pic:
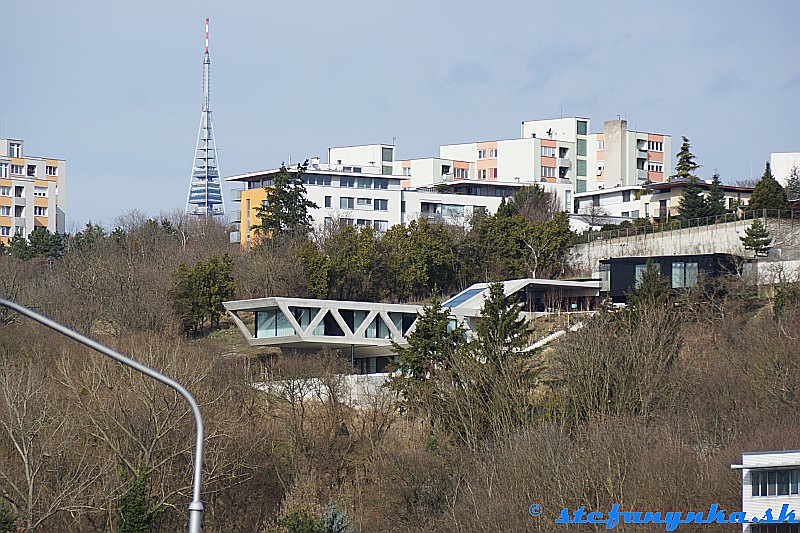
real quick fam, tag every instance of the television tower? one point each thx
(205, 190)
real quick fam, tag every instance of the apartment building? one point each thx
(783, 164)
(770, 480)
(31, 191)
(346, 196)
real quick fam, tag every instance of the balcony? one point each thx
(563, 162)
(641, 175)
(236, 195)
(641, 154)
(235, 237)
(236, 215)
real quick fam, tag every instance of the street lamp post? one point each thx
(196, 506)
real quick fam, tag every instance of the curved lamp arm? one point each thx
(196, 506)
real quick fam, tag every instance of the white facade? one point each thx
(369, 158)
(622, 202)
(769, 480)
(782, 164)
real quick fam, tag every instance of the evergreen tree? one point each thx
(692, 204)
(756, 238)
(793, 185)
(651, 288)
(136, 515)
(18, 247)
(686, 164)
(715, 201)
(501, 331)
(197, 293)
(286, 207)
(8, 519)
(334, 520)
(429, 348)
(768, 193)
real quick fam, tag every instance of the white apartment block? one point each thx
(782, 164)
(31, 191)
(770, 480)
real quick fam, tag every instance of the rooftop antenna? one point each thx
(205, 190)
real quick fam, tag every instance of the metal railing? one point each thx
(675, 225)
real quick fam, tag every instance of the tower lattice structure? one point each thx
(205, 190)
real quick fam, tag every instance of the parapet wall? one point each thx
(714, 238)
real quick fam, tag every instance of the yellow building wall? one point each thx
(252, 199)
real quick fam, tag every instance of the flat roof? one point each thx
(244, 177)
(610, 190)
(703, 184)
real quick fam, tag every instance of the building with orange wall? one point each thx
(32, 191)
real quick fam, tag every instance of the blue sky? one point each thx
(115, 87)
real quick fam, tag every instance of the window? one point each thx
(386, 169)
(452, 211)
(655, 146)
(626, 196)
(581, 167)
(492, 153)
(601, 145)
(548, 151)
(17, 169)
(481, 154)
(31, 171)
(548, 172)
(364, 202)
(625, 214)
(655, 167)
(387, 154)
(493, 173)
(684, 275)
(345, 221)
(316, 179)
(39, 211)
(346, 203)
(327, 201)
(482, 174)
(406, 171)
(640, 269)
(5, 211)
(273, 323)
(583, 127)
(3, 170)
(580, 147)
(381, 225)
(635, 214)
(380, 205)
(380, 183)
(19, 230)
(774, 482)
(601, 166)
(328, 222)
(363, 223)
(445, 170)
(51, 171)
(347, 181)
(5, 231)
(356, 170)
(580, 185)
(41, 192)
(461, 173)
(640, 163)
(364, 183)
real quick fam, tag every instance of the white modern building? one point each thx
(366, 330)
(783, 163)
(770, 480)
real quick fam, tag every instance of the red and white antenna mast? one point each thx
(206, 35)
